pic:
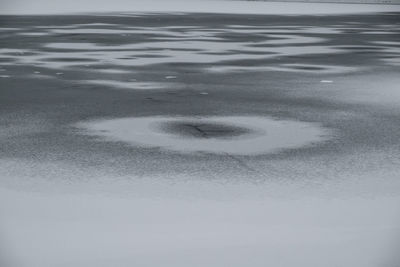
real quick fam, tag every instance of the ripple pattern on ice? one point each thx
(225, 47)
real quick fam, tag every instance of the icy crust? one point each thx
(176, 6)
(239, 135)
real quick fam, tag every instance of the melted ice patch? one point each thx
(266, 135)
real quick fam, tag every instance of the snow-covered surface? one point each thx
(209, 6)
(183, 222)
(127, 84)
(68, 199)
(190, 46)
(268, 135)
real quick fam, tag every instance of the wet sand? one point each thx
(114, 200)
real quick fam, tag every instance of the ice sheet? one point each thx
(217, 6)
(270, 135)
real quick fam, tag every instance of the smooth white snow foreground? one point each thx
(198, 224)
(208, 6)
(266, 135)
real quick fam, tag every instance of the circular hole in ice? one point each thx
(240, 135)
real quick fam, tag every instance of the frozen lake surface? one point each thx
(244, 135)
(198, 139)
(124, 7)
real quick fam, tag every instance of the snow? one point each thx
(194, 223)
(269, 135)
(133, 85)
(177, 6)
